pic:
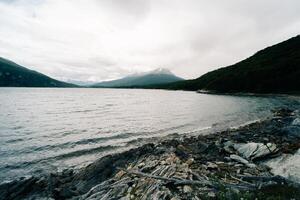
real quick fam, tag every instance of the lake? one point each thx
(48, 129)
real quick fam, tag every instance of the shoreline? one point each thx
(211, 166)
(211, 92)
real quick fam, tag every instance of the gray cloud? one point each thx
(105, 39)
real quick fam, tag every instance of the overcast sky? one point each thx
(105, 39)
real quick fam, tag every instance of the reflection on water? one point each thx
(45, 129)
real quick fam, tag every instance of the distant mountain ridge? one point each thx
(275, 69)
(157, 76)
(80, 83)
(14, 75)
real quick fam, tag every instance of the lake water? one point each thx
(45, 129)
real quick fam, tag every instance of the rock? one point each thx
(18, 188)
(228, 146)
(291, 131)
(129, 190)
(211, 194)
(253, 150)
(242, 160)
(66, 193)
(287, 166)
(67, 172)
(283, 112)
(187, 189)
(200, 147)
(181, 151)
(296, 122)
(42, 182)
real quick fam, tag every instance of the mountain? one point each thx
(158, 76)
(14, 75)
(275, 69)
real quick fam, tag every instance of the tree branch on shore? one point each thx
(180, 182)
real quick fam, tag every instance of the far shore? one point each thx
(293, 93)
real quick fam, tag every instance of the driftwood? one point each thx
(274, 179)
(179, 182)
(277, 179)
(240, 180)
(170, 180)
(102, 187)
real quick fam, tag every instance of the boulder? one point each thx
(292, 131)
(296, 122)
(228, 146)
(287, 165)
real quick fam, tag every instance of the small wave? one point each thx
(17, 127)
(83, 111)
(162, 136)
(198, 130)
(66, 133)
(109, 105)
(244, 124)
(69, 155)
(116, 136)
(86, 151)
(15, 140)
(72, 144)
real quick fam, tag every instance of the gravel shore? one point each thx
(259, 160)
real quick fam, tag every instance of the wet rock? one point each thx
(67, 172)
(228, 146)
(199, 147)
(283, 112)
(17, 189)
(253, 150)
(66, 193)
(42, 182)
(181, 151)
(291, 132)
(296, 122)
